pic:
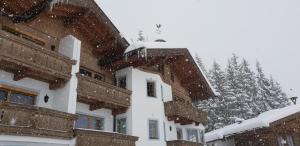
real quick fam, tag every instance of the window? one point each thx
(99, 77)
(153, 129)
(122, 125)
(89, 122)
(285, 141)
(84, 72)
(179, 134)
(3, 95)
(192, 135)
(122, 82)
(201, 132)
(172, 77)
(15, 95)
(151, 89)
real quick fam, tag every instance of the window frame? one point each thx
(187, 135)
(126, 124)
(154, 88)
(158, 131)
(181, 133)
(90, 117)
(119, 81)
(15, 90)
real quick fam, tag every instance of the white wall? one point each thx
(101, 113)
(33, 141)
(67, 95)
(29, 84)
(145, 108)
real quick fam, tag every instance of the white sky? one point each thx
(263, 30)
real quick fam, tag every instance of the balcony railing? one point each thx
(181, 96)
(101, 94)
(34, 121)
(27, 59)
(96, 138)
(182, 143)
(184, 113)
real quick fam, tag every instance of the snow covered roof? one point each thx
(153, 45)
(166, 45)
(263, 120)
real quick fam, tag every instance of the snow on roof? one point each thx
(262, 120)
(153, 45)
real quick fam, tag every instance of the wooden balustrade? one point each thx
(100, 94)
(184, 113)
(26, 59)
(181, 96)
(24, 120)
(182, 143)
(96, 138)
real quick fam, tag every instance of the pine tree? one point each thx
(200, 63)
(243, 94)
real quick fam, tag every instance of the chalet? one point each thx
(279, 127)
(68, 78)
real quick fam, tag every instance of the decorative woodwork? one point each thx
(180, 61)
(96, 138)
(184, 113)
(99, 94)
(34, 121)
(182, 143)
(86, 17)
(26, 59)
(181, 96)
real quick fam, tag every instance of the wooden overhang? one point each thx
(85, 16)
(180, 61)
(287, 125)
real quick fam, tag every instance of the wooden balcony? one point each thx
(181, 96)
(26, 59)
(21, 120)
(96, 138)
(184, 113)
(182, 143)
(99, 94)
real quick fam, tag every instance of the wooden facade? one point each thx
(96, 138)
(28, 120)
(269, 136)
(182, 143)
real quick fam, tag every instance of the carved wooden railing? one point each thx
(180, 95)
(184, 113)
(99, 91)
(24, 58)
(34, 121)
(182, 143)
(96, 138)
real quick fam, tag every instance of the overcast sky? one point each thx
(263, 30)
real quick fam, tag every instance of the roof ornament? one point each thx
(158, 32)
(293, 98)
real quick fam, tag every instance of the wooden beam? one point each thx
(56, 84)
(20, 74)
(96, 106)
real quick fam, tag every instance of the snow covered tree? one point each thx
(243, 94)
(200, 63)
